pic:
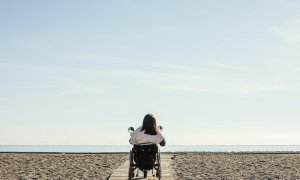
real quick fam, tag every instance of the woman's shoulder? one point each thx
(139, 128)
(159, 134)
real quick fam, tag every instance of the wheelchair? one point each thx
(144, 157)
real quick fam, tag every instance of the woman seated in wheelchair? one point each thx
(145, 150)
(148, 133)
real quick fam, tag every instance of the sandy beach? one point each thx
(236, 166)
(185, 166)
(58, 166)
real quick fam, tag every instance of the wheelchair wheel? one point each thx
(158, 172)
(145, 174)
(130, 170)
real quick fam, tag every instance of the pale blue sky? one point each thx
(213, 72)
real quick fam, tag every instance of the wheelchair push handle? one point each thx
(131, 129)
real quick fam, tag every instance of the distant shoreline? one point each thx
(167, 149)
(182, 152)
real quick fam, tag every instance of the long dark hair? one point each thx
(149, 125)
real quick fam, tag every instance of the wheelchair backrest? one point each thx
(145, 156)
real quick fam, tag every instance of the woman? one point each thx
(147, 133)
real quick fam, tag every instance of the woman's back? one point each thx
(139, 137)
(148, 132)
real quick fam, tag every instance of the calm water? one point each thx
(170, 148)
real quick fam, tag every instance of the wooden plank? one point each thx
(122, 172)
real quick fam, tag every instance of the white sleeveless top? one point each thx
(139, 137)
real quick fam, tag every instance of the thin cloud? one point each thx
(76, 80)
(289, 32)
(86, 89)
(244, 89)
(161, 71)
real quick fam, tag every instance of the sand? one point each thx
(185, 166)
(236, 166)
(58, 166)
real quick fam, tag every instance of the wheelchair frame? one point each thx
(134, 166)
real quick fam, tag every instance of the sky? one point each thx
(212, 72)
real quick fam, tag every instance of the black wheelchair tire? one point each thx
(158, 172)
(130, 170)
(145, 174)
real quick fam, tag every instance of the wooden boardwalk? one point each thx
(122, 172)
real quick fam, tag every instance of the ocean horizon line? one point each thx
(166, 145)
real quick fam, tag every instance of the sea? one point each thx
(168, 148)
